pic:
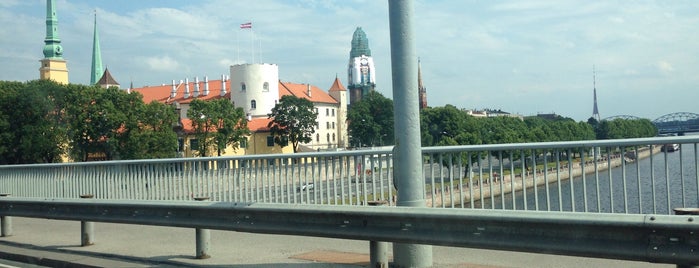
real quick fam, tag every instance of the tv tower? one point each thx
(595, 111)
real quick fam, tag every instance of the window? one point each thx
(285, 141)
(327, 125)
(242, 86)
(316, 110)
(194, 144)
(333, 137)
(327, 136)
(333, 111)
(265, 86)
(317, 125)
(317, 137)
(333, 125)
(244, 143)
(253, 104)
(327, 112)
(270, 141)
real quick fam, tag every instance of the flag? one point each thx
(247, 25)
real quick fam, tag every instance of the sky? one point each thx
(526, 57)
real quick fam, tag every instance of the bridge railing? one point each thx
(644, 178)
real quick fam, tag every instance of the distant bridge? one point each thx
(674, 123)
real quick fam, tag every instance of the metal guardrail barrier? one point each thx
(650, 238)
(644, 177)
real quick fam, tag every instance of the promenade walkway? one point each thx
(57, 244)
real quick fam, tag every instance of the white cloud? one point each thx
(665, 67)
(162, 63)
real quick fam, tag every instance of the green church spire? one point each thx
(52, 47)
(360, 44)
(96, 57)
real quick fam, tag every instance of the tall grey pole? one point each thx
(408, 176)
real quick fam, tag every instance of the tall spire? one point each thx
(361, 75)
(53, 66)
(595, 111)
(422, 91)
(97, 71)
(52, 44)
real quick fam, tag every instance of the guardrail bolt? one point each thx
(87, 228)
(203, 238)
(5, 222)
(378, 251)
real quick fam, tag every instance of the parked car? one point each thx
(307, 186)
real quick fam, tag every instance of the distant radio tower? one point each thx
(595, 111)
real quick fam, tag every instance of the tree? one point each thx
(217, 124)
(30, 127)
(293, 120)
(371, 120)
(154, 136)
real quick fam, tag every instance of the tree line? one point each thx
(371, 120)
(42, 121)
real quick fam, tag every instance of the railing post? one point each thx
(87, 228)
(203, 238)
(378, 251)
(5, 221)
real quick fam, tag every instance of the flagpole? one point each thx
(237, 47)
(252, 43)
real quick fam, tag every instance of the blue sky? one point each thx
(524, 57)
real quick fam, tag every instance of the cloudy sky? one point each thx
(524, 57)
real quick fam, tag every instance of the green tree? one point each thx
(217, 124)
(101, 122)
(154, 136)
(293, 120)
(371, 120)
(30, 127)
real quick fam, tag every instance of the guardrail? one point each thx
(649, 238)
(533, 176)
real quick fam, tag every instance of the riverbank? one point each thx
(447, 196)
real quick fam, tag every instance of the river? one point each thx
(645, 191)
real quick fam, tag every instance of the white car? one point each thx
(307, 186)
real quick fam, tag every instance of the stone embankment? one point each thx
(456, 195)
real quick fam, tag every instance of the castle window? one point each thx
(317, 137)
(327, 125)
(253, 104)
(242, 86)
(265, 86)
(333, 137)
(327, 112)
(333, 111)
(328, 137)
(333, 125)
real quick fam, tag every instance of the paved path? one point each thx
(57, 243)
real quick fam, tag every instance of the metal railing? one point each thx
(650, 238)
(618, 176)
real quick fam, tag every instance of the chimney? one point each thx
(186, 88)
(173, 92)
(223, 84)
(206, 86)
(196, 86)
(308, 90)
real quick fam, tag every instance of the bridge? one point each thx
(675, 123)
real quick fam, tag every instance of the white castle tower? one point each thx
(255, 88)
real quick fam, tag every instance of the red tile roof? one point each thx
(301, 91)
(259, 124)
(337, 86)
(162, 93)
